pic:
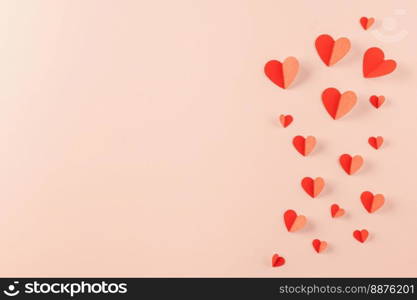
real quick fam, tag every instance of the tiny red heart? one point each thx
(377, 101)
(376, 142)
(277, 260)
(361, 235)
(285, 120)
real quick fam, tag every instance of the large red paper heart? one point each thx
(312, 187)
(285, 120)
(351, 164)
(293, 222)
(361, 235)
(376, 142)
(336, 104)
(374, 64)
(331, 51)
(377, 101)
(372, 202)
(282, 74)
(319, 246)
(304, 145)
(277, 260)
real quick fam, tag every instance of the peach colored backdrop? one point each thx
(139, 138)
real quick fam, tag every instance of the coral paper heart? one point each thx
(331, 51)
(351, 164)
(336, 211)
(312, 187)
(376, 142)
(336, 104)
(293, 222)
(282, 74)
(285, 120)
(366, 22)
(277, 260)
(374, 64)
(361, 235)
(372, 202)
(377, 101)
(319, 246)
(304, 145)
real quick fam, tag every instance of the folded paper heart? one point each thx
(377, 101)
(337, 104)
(285, 120)
(336, 211)
(319, 246)
(351, 164)
(366, 23)
(294, 222)
(374, 64)
(277, 260)
(361, 235)
(331, 51)
(304, 145)
(372, 202)
(282, 74)
(376, 142)
(312, 187)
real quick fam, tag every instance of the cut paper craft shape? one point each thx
(303, 145)
(377, 101)
(277, 261)
(372, 202)
(336, 211)
(361, 235)
(351, 164)
(374, 64)
(366, 23)
(285, 120)
(294, 222)
(336, 104)
(331, 51)
(312, 187)
(319, 246)
(376, 142)
(282, 74)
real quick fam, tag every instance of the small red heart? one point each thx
(331, 51)
(336, 211)
(376, 142)
(285, 120)
(377, 101)
(277, 260)
(337, 104)
(282, 74)
(351, 164)
(312, 187)
(372, 202)
(294, 222)
(366, 23)
(361, 235)
(303, 145)
(319, 246)
(374, 64)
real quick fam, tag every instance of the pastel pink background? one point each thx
(140, 138)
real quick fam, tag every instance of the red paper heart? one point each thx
(351, 164)
(377, 101)
(331, 51)
(376, 142)
(374, 64)
(366, 23)
(282, 74)
(372, 202)
(361, 235)
(277, 260)
(312, 187)
(336, 104)
(319, 246)
(304, 145)
(285, 120)
(336, 211)
(293, 222)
